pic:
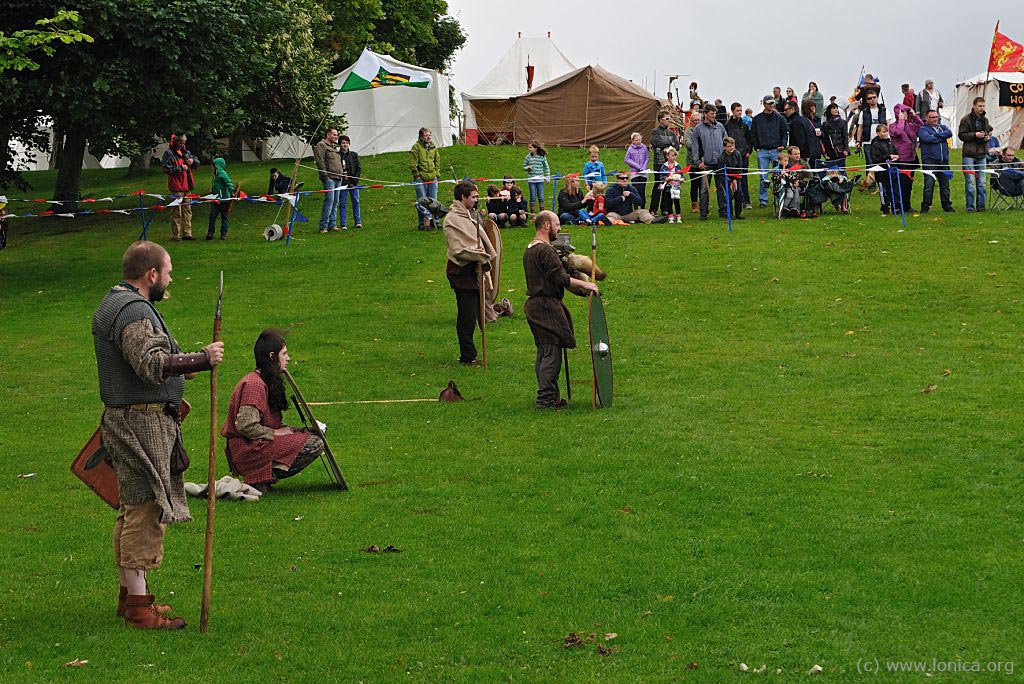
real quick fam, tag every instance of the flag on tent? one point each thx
(373, 71)
(1007, 55)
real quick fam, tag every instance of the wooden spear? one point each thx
(211, 486)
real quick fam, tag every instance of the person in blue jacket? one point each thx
(934, 138)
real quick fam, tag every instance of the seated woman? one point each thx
(570, 201)
(261, 448)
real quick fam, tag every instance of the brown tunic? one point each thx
(546, 280)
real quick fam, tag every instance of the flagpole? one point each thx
(988, 67)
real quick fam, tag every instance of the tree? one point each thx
(203, 67)
(16, 48)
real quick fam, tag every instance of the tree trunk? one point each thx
(56, 143)
(69, 173)
(140, 163)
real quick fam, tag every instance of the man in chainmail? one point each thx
(141, 377)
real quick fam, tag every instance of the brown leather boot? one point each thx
(141, 613)
(694, 207)
(122, 600)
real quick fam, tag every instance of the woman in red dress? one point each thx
(261, 448)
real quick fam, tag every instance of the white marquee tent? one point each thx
(383, 119)
(1007, 122)
(489, 107)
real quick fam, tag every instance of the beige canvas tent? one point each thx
(588, 106)
(1007, 122)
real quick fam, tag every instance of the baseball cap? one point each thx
(767, 98)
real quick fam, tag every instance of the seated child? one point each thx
(790, 183)
(516, 207)
(837, 188)
(497, 207)
(593, 202)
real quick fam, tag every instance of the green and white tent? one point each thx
(385, 103)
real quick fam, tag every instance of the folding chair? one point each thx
(1000, 199)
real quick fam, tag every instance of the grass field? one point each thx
(774, 485)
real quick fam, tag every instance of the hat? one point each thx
(767, 98)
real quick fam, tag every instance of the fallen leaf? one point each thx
(775, 280)
(666, 599)
(692, 666)
(946, 373)
(849, 332)
(929, 389)
(848, 355)
(991, 242)
(627, 509)
(817, 669)
(572, 640)
(430, 281)
(76, 663)
(391, 549)
(669, 637)
(25, 476)
(828, 244)
(298, 518)
(604, 651)
(743, 667)
(294, 568)
(372, 548)
(761, 669)
(610, 635)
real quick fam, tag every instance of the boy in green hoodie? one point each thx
(224, 189)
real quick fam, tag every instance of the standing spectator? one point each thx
(425, 164)
(815, 96)
(177, 163)
(780, 101)
(871, 115)
(224, 189)
(638, 160)
(662, 138)
(791, 97)
(770, 134)
(3, 225)
(748, 116)
(975, 132)
(842, 104)
(593, 170)
(738, 130)
(328, 165)
(351, 170)
(709, 139)
(833, 135)
(928, 100)
(670, 178)
(903, 134)
(934, 137)
(735, 163)
(805, 133)
(883, 153)
(692, 119)
(721, 113)
(537, 171)
(468, 248)
(908, 95)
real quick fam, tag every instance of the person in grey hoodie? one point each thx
(709, 141)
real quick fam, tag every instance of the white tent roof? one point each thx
(385, 119)
(508, 77)
(1004, 76)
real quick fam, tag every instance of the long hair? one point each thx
(268, 345)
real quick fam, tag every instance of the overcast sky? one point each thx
(739, 50)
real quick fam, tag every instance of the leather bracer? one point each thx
(180, 364)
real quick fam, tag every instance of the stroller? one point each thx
(787, 192)
(835, 187)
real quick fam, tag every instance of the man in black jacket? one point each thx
(737, 129)
(769, 134)
(351, 170)
(622, 203)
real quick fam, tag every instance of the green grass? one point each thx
(771, 487)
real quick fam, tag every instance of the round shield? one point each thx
(600, 352)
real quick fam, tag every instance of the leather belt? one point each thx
(149, 408)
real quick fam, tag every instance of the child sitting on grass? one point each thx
(517, 207)
(594, 201)
(497, 207)
(593, 170)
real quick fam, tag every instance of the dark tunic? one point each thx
(255, 458)
(546, 280)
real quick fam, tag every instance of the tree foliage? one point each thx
(16, 48)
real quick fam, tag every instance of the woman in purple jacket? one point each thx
(638, 159)
(903, 134)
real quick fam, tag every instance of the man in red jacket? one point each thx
(177, 163)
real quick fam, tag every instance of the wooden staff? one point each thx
(593, 279)
(211, 487)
